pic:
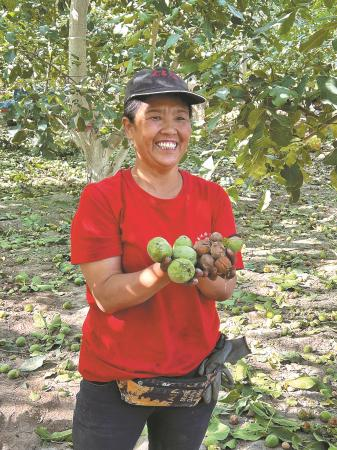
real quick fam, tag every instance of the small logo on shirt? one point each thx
(203, 236)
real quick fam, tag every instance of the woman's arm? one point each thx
(114, 290)
(219, 289)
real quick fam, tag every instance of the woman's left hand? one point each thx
(232, 257)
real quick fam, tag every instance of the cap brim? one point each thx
(193, 99)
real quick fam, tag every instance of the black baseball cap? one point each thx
(159, 81)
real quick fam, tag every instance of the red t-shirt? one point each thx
(173, 331)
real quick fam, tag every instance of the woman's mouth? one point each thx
(167, 145)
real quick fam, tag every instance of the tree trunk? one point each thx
(97, 156)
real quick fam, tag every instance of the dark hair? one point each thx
(131, 106)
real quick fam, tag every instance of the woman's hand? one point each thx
(165, 263)
(232, 271)
(194, 281)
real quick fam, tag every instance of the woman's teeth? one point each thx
(167, 145)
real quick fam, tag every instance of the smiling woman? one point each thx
(160, 134)
(144, 333)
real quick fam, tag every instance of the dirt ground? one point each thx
(285, 302)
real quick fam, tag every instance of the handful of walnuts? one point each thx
(212, 257)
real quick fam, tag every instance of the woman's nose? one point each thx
(168, 126)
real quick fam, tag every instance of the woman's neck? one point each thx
(161, 185)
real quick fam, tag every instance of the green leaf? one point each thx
(33, 363)
(315, 40)
(233, 395)
(10, 4)
(265, 200)
(281, 94)
(55, 323)
(212, 123)
(10, 37)
(279, 134)
(328, 89)
(240, 370)
(57, 436)
(267, 26)
(34, 396)
(334, 44)
(254, 117)
(36, 279)
(329, 3)
(61, 436)
(19, 137)
(161, 6)
(81, 126)
(262, 409)
(230, 444)
(293, 176)
(39, 320)
(304, 382)
(42, 126)
(242, 4)
(217, 430)
(294, 197)
(333, 178)
(249, 432)
(10, 55)
(287, 23)
(302, 84)
(42, 432)
(331, 158)
(315, 446)
(234, 11)
(42, 287)
(171, 41)
(238, 92)
(283, 433)
(222, 93)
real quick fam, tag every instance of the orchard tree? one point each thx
(268, 70)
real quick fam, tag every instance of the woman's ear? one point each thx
(127, 127)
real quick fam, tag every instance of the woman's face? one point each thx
(160, 132)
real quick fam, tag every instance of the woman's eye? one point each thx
(155, 117)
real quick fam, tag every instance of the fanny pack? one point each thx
(164, 391)
(181, 391)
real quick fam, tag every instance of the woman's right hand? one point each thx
(165, 263)
(194, 281)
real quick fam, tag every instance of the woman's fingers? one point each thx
(165, 263)
(231, 256)
(199, 273)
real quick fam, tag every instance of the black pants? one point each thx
(102, 421)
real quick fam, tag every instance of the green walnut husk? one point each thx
(158, 248)
(4, 368)
(182, 251)
(13, 374)
(271, 441)
(181, 270)
(183, 240)
(234, 243)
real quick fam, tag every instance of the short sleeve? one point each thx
(223, 220)
(95, 233)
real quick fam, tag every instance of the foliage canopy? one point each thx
(268, 70)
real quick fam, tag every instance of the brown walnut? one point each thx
(223, 265)
(206, 262)
(216, 237)
(217, 250)
(202, 247)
